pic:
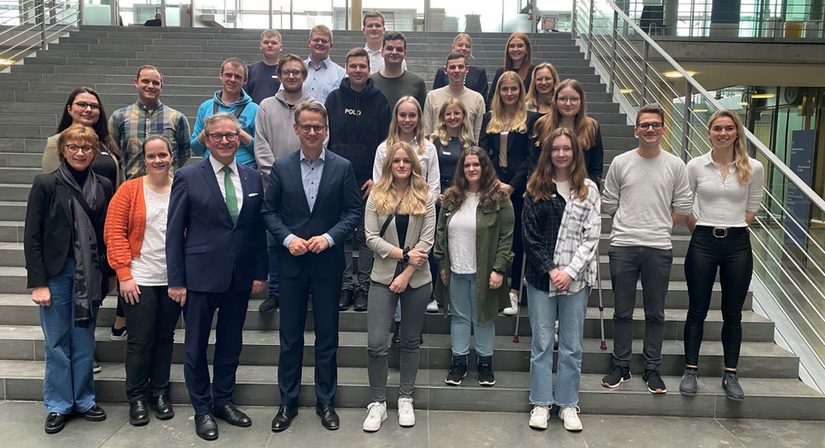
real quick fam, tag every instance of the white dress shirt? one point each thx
(217, 167)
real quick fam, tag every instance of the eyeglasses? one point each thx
(217, 137)
(288, 73)
(318, 128)
(75, 148)
(569, 99)
(83, 105)
(655, 125)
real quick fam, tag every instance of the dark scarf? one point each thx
(88, 273)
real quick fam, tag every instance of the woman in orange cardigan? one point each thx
(135, 235)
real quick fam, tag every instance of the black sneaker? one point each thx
(732, 388)
(360, 301)
(654, 382)
(270, 304)
(118, 334)
(689, 384)
(345, 301)
(485, 371)
(55, 422)
(616, 377)
(458, 370)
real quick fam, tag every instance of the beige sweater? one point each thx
(472, 100)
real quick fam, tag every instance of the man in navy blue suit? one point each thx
(216, 256)
(312, 204)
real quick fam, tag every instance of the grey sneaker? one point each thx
(689, 384)
(654, 382)
(732, 388)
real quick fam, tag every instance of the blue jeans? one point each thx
(543, 311)
(464, 319)
(69, 349)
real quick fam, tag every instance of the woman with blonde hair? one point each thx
(473, 249)
(728, 187)
(540, 94)
(451, 136)
(476, 77)
(562, 223)
(517, 58)
(570, 111)
(505, 134)
(399, 222)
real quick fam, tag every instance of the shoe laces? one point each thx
(405, 405)
(374, 409)
(540, 411)
(731, 378)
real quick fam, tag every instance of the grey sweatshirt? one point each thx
(274, 135)
(642, 193)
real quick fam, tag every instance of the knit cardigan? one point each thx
(125, 225)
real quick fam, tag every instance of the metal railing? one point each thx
(789, 254)
(34, 25)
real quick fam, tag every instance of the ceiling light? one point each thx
(699, 111)
(677, 74)
(626, 91)
(760, 96)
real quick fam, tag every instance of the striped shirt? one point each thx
(130, 125)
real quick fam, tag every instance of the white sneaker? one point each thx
(406, 413)
(539, 416)
(376, 414)
(570, 416)
(512, 310)
(432, 307)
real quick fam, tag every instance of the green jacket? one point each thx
(494, 252)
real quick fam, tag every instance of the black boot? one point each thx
(458, 370)
(485, 371)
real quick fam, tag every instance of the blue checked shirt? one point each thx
(311, 172)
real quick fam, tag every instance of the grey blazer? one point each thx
(420, 234)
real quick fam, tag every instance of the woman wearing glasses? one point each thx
(68, 273)
(135, 236)
(570, 111)
(727, 187)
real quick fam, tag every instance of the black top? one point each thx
(262, 81)
(476, 79)
(105, 165)
(519, 146)
(448, 159)
(527, 81)
(540, 229)
(153, 22)
(402, 222)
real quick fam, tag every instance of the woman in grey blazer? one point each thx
(400, 209)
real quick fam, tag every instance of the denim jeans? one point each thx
(464, 310)
(733, 258)
(570, 311)
(69, 349)
(379, 321)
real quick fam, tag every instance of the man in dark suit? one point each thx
(216, 255)
(312, 204)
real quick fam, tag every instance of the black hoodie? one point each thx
(358, 123)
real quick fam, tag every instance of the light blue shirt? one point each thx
(323, 79)
(311, 172)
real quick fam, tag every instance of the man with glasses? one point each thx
(324, 75)
(393, 79)
(646, 192)
(215, 258)
(263, 77)
(359, 120)
(275, 137)
(312, 204)
(129, 126)
(231, 99)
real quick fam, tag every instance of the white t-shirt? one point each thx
(563, 188)
(462, 236)
(149, 269)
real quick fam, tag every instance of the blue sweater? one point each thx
(246, 153)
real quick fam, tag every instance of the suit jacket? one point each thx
(337, 211)
(205, 251)
(48, 232)
(518, 151)
(420, 234)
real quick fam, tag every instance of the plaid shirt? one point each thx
(569, 229)
(130, 125)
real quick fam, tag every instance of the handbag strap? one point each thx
(387, 222)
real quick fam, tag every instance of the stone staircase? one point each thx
(106, 59)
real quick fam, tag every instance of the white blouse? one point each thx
(149, 269)
(429, 164)
(722, 202)
(461, 239)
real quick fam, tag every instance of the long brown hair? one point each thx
(525, 64)
(741, 160)
(415, 199)
(497, 121)
(489, 191)
(584, 126)
(540, 185)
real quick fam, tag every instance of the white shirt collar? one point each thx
(218, 166)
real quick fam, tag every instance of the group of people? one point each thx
(449, 198)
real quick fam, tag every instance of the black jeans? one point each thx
(149, 341)
(733, 258)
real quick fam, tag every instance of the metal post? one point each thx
(613, 53)
(686, 123)
(589, 54)
(573, 21)
(270, 14)
(645, 52)
(79, 13)
(40, 14)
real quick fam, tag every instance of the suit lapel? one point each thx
(297, 176)
(63, 198)
(325, 180)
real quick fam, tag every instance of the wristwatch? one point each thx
(406, 255)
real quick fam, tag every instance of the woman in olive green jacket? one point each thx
(473, 248)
